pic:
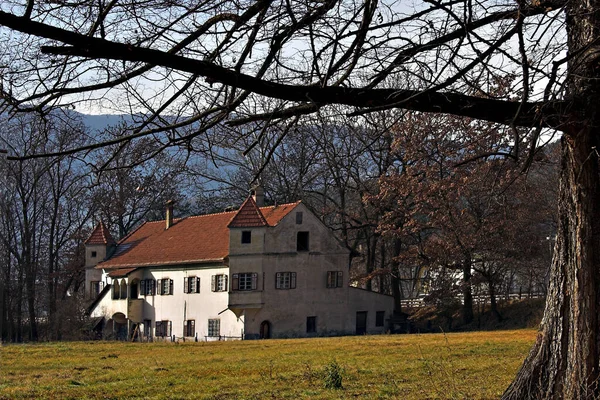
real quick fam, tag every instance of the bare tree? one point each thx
(213, 60)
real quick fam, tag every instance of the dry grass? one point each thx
(476, 365)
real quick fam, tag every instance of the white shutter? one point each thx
(213, 283)
(159, 286)
(254, 280)
(185, 285)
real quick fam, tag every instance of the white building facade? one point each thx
(259, 272)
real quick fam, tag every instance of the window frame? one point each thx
(99, 285)
(281, 283)
(218, 283)
(249, 280)
(189, 328)
(165, 286)
(335, 279)
(191, 284)
(214, 326)
(163, 328)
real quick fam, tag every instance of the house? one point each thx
(258, 272)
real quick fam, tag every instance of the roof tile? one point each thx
(100, 235)
(248, 215)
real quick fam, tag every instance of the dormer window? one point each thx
(246, 237)
(302, 241)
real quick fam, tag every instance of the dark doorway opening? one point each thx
(361, 322)
(265, 330)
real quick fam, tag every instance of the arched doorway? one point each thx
(265, 330)
(119, 326)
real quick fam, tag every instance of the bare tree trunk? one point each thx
(563, 364)
(467, 292)
(396, 276)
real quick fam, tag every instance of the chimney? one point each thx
(258, 194)
(169, 215)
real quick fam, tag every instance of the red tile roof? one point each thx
(248, 215)
(100, 235)
(199, 239)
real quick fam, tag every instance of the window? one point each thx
(95, 288)
(244, 281)
(147, 328)
(123, 290)
(285, 280)
(214, 327)
(299, 218)
(302, 241)
(218, 283)
(165, 286)
(379, 318)
(246, 237)
(116, 291)
(191, 284)
(133, 289)
(311, 324)
(94, 254)
(189, 328)
(334, 279)
(148, 287)
(163, 328)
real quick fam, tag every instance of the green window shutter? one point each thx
(197, 285)
(170, 286)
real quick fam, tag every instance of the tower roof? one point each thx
(249, 215)
(100, 235)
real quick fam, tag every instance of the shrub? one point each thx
(332, 376)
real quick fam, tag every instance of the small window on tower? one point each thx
(93, 254)
(246, 237)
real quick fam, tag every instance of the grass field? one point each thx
(475, 365)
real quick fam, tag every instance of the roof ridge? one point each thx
(193, 216)
(282, 205)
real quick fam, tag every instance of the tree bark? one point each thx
(563, 363)
(467, 292)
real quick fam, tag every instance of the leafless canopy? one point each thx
(185, 66)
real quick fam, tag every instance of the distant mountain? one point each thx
(101, 122)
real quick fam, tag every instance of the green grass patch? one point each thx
(475, 365)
